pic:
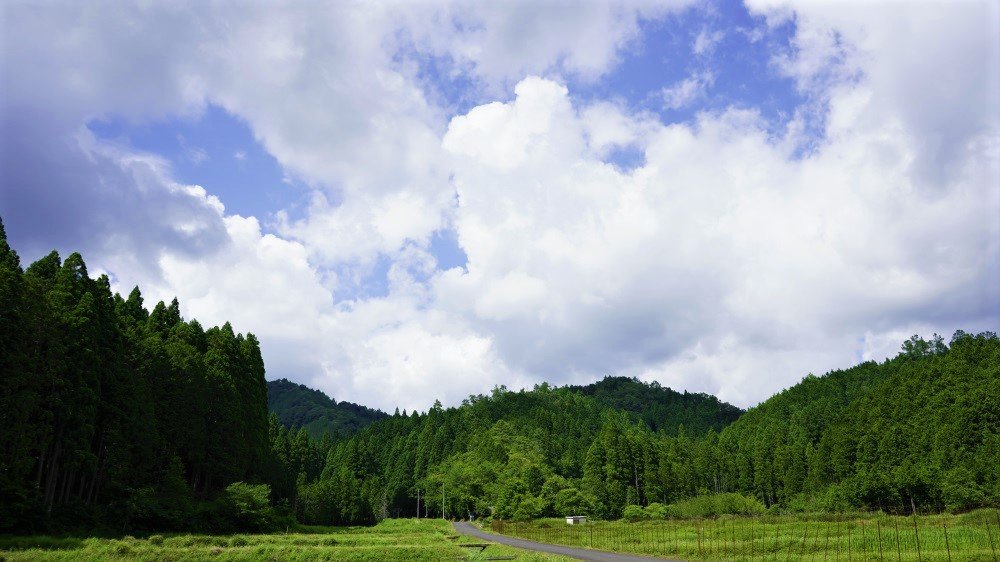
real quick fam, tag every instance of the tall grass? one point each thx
(394, 539)
(970, 537)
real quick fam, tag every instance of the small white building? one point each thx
(576, 519)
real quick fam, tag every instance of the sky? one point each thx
(410, 201)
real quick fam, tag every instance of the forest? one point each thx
(117, 416)
(297, 405)
(916, 433)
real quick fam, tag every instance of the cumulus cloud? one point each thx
(706, 41)
(685, 92)
(757, 263)
(725, 262)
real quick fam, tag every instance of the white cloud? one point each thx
(726, 262)
(758, 262)
(706, 41)
(687, 91)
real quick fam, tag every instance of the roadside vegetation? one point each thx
(849, 536)
(392, 539)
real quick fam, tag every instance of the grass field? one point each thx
(395, 539)
(972, 536)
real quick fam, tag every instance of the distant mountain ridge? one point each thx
(662, 408)
(297, 405)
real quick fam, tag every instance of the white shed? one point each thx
(576, 519)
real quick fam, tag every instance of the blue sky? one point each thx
(423, 200)
(218, 151)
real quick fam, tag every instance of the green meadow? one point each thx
(393, 539)
(828, 537)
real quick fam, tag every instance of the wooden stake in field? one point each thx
(990, 533)
(776, 547)
(878, 528)
(733, 527)
(864, 545)
(826, 545)
(899, 551)
(947, 545)
(916, 534)
(838, 540)
(850, 531)
(698, 531)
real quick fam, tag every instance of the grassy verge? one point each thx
(969, 537)
(395, 539)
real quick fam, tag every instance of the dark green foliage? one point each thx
(117, 416)
(513, 455)
(112, 415)
(920, 431)
(298, 406)
(662, 408)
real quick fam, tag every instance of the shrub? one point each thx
(716, 504)
(656, 511)
(571, 501)
(155, 539)
(633, 513)
(528, 508)
(960, 490)
(248, 506)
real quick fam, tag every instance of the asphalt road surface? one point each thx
(581, 553)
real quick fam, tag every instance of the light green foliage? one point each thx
(851, 536)
(714, 505)
(249, 505)
(430, 540)
(656, 510)
(633, 513)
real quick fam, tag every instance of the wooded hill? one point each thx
(298, 406)
(920, 432)
(117, 416)
(112, 414)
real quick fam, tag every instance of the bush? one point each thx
(633, 513)
(960, 490)
(528, 508)
(248, 507)
(716, 504)
(155, 539)
(656, 511)
(571, 501)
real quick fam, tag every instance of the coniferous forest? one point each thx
(118, 415)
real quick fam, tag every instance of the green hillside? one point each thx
(299, 406)
(515, 454)
(918, 432)
(662, 408)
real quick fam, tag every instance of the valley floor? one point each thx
(395, 539)
(972, 536)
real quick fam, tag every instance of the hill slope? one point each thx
(519, 454)
(920, 431)
(298, 406)
(660, 407)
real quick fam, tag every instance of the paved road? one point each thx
(580, 553)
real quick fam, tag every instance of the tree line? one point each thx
(115, 415)
(916, 433)
(118, 416)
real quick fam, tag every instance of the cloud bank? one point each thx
(728, 259)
